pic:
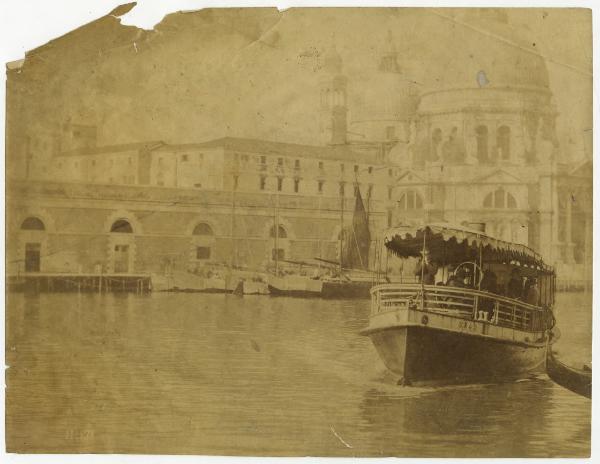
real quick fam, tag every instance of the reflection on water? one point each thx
(220, 374)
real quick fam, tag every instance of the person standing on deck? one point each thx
(533, 294)
(427, 269)
(514, 288)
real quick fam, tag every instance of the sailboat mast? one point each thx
(341, 231)
(277, 235)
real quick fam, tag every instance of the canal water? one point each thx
(255, 375)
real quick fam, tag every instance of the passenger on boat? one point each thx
(458, 278)
(533, 294)
(489, 283)
(514, 288)
(427, 269)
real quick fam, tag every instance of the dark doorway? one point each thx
(32, 257)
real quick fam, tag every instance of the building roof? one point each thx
(113, 148)
(237, 144)
(268, 147)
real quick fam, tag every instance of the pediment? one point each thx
(499, 176)
(410, 177)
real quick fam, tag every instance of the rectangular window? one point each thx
(356, 168)
(342, 189)
(390, 132)
(280, 161)
(277, 254)
(296, 185)
(93, 162)
(356, 191)
(235, 182)
(342, 167)
(279, 184)
(390, 172)
(129, 161)
(202, 252)
(263, 160)
(184, 158)
(390, 189)
(263, 182)
(389, 218)
(297, 164)
(370, 169)
(321, 186)
(321, 165)
(370, 191)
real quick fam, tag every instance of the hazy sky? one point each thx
(207, 74)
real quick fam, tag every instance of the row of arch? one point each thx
(123, 226)
(498, 199)
(452, 150)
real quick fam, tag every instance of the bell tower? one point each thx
(333, 125)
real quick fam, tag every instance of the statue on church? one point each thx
(453, 150)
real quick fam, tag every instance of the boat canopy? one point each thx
(448, 243)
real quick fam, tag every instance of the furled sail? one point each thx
(357, 238)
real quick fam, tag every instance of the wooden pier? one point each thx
(67, 282)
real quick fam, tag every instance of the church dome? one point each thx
(388, 95)
(483, 50)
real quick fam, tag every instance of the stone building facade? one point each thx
(91, 228)
(482, 148)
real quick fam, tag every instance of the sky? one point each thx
(205, 74)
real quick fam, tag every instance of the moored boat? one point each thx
(348, 287)
(577, 380)
(467, 328)
(251, 287)
(294, 285)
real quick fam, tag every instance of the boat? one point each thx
(577, 380)
(348, 286)
(353, 279)
(192, 283)
(460, 331)
(251, 287)
(294, 285)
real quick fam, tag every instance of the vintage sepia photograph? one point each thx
(331, 232)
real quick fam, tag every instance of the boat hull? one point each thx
(431, 355)
(347, 289)
(295, 286)
(293, 293)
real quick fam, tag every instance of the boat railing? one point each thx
(464, 303)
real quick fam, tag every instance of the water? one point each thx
(220, 374)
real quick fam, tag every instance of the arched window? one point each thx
(499, 199)
(121, 226)
(278, 232)
(410, 200)
(32, 223)
(503, 142)
(482, 143)
(202, 229)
